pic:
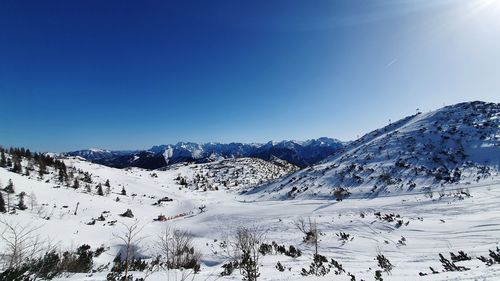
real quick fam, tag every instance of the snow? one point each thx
(436, 217)
(168, 154)
(296, 152)
(447, 225)
(455, 144)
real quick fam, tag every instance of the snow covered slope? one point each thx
(234, 174)
(455, 144)
(437, 192)
(353, 232)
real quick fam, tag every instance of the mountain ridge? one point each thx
(455, 144)
(299, 153)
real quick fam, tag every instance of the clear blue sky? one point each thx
(131, 74)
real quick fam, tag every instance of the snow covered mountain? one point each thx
(432, 216)
(455, 144)
(100, 154)
(301, 154)
(412, 236)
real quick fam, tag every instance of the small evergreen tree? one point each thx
(62, 175)
(21, 204)
(124, 192)
(100, 192)
(107, 183)
(17, 168)
(76, 184)
(10, 187)
(3, 159)
(87, 177)
(2, 204)
(42, 169)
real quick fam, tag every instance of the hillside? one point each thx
(410, 231)
(423, 206)
(420, 153)
(232, 174)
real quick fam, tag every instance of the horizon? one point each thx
(244, 142)
(122, 75)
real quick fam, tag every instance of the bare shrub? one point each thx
(131, 239)
(310, 230)
(177, 251)
(21, 243)
(243, 249)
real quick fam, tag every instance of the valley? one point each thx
(434, 216)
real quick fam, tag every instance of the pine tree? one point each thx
(124, 192)
(76, 184)
(107, 183)
(18, 168)
(3, 159)
(100, 192)
(42, 170)
(62, 175)
(21, 204)
(2, 204)
(10, 187)
(87, 177)
(70, 174)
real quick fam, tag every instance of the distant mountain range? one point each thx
(422, 152)
(299, 153)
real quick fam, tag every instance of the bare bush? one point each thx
(244, 251)
(176, 250)
(310, 230)
(21, 243)
(131, 239)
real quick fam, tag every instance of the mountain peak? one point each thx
(299, 153)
